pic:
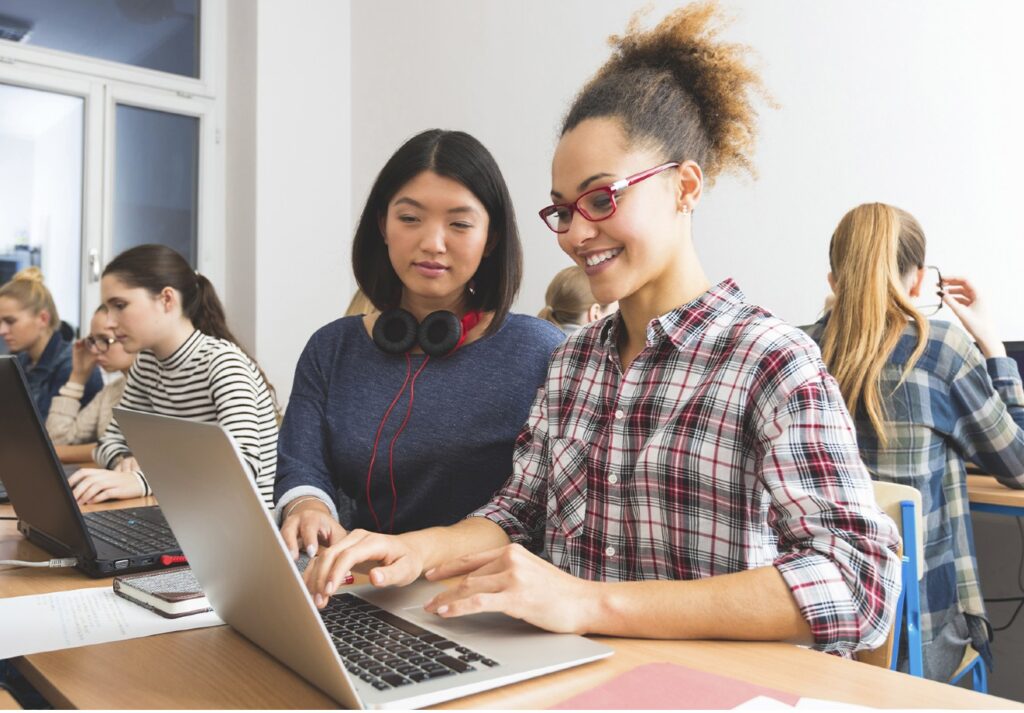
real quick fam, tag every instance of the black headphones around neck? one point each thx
(396, 331)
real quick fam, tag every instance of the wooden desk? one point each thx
(986, 494)
(7, 702)
(217, 668)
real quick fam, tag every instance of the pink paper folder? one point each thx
(666, 685)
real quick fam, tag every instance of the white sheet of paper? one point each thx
(80, 617)
(763, 703)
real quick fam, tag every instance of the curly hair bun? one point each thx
(679, 87)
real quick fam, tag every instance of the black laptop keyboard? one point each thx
(387, 651)
(135, 535)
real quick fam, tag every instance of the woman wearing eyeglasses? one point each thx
(74, 428)
(30, 326)
(688, 460)
(926, 400)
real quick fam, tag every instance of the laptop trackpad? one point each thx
(463, 626)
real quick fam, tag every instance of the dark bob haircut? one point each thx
(460, 157)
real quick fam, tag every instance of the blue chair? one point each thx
(903, 504)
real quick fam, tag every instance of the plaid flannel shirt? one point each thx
(952, 406)
(725, 446)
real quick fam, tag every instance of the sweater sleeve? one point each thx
(303, 451)
(68, 423)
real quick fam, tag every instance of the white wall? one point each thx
(288, 175)
(913, 103)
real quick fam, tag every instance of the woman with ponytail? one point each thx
(689, 460)
(925, 400)
(30, 326)
(189, 365)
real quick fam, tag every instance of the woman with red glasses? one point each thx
(689, 460)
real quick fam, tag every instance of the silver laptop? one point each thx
(369, 648)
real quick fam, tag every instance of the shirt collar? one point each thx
(49, 356)
(182, 353)
(684, 322)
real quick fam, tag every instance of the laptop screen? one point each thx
(1015, 350)
(29, 469)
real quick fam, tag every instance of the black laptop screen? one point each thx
(30, 470)
(1015, 350)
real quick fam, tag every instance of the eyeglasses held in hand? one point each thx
(596, 204)
(930, 304)
(99, 345)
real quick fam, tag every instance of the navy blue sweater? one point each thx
(454, 452)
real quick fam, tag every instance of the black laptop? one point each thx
(105, 543)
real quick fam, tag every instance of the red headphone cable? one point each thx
(373, 456)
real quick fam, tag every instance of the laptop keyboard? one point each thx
(387, 651)
(133, 534)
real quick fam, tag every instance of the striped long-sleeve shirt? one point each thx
(205, 379)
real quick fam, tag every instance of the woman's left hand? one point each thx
(513, 581)
(94, 485)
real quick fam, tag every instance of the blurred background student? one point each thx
(569, 304)
(30, 326)
(925, 400)
(74, 428)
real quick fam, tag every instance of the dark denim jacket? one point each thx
(52, 372)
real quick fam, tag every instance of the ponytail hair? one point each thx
(568, 298)
(154, 267)
(28, 289)
(679, 89)
(873, 248)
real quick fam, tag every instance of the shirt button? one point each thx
(610, 551)
(613, 479)
(619, 413)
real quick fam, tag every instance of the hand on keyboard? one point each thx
(94, 485)
(333, 565)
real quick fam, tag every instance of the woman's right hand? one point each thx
(401, 563)
(963, 299)
(83, 361)
(308, 525)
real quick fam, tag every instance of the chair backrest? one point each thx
(902, 503)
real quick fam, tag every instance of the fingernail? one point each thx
(443, 609)
(377, 577)
(428, 605)
(318, 600)
(331, 586)
(430, 572)
(311, 550)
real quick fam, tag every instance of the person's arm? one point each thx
(304, 483)
(236, 388)
(76, 453)
(833, 584)
(513, 515)
(112, 447)
(67, 422)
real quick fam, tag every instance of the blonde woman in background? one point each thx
(75, 429)
(30, 326)
(569, 304)
(925, 400)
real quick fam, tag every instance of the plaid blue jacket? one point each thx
(954, 406)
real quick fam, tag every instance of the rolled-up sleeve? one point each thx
(837, 549)
(519, 507)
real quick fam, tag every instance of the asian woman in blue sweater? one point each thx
(391, 426)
